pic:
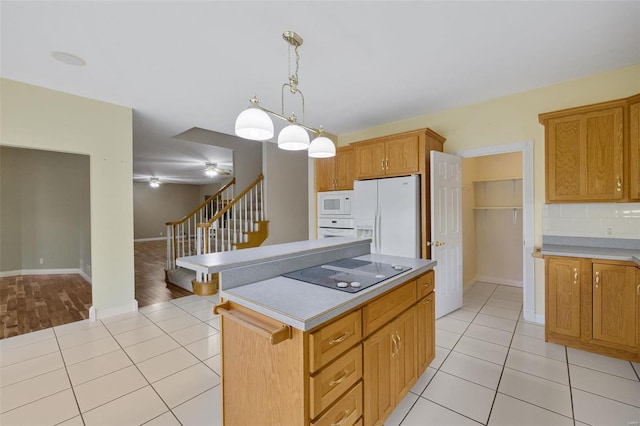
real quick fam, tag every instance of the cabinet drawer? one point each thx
(334, 339)
(426, 284)
(384, 309)
(331, 382)
(346, 412)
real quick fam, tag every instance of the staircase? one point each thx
(223, 222)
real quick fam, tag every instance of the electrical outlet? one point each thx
(42, 261)
(609, 231)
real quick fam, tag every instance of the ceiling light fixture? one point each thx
(210, 169)
(154, 182)
(69, 59)
(254, 123)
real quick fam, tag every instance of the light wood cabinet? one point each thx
(592, 153)
(634, 148)
(390, 156)
(563, 277)
(593, 305)
(614, 304)
(336, 173)
(401, 154)
(390, 366)
(353, 370)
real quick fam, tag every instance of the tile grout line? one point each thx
(66, 370)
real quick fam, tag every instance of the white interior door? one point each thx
(446, 230)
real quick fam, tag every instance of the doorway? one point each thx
(526, 150)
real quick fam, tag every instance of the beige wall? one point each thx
(286, 194)
(511, 119)
(154, 207)
(45, 211)
(34, 117)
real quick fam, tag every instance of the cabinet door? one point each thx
(584, 156)
(603, 175)
(634, 151)
(406, 329)
(345, 169)
(563, 295)
(426, 333)
(379, 400)
(370, 160)
(614, 304)
(402, 155)
(325, 174)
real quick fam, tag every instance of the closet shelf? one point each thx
(497, 180)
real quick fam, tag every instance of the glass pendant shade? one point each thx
(322, 147)
(293, 138)
(254, 124)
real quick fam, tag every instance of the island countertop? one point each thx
(306, 306)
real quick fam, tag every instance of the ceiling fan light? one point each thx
(322, 147)
(254, 124)
(293, 138)
(154, 182)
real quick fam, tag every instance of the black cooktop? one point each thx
(350, 275)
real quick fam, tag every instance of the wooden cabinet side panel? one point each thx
(251, 362)
(604, 144)
(562, 294)
(634, 151)
(614, 304)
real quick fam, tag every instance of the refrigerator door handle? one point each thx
(378, 231)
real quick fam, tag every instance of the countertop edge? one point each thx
(626, 255)
(323, 317)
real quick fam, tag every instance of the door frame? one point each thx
(528, 264)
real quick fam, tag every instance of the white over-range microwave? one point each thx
(333, 203)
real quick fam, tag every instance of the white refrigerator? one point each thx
(388, 212)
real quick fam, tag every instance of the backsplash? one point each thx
(604, 220)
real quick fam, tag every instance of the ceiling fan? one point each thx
(212, 169)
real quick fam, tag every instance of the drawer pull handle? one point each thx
(340, 379)
(598, 279)
(575, 275)
(395, 345)
(275, 336)
(339, 339)
(399, 342)
(619, 184)
(638, 290)
(343, 419)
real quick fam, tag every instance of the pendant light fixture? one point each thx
(254, 123)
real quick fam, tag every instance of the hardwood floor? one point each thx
(34, 302)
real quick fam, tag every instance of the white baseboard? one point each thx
(86, 277)
(96, 314)
(141, 240)
(44, 272)
(498, 280)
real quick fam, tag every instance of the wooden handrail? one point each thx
(275, 336)
(231, 203)
(204, 203)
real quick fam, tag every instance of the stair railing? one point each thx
(182, 234)
(237, 217)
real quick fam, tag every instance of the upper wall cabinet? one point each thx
(336, 173)
(389, 156)
(587, 153)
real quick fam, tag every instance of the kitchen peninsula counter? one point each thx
(253, 278)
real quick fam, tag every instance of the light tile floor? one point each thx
(161, 366)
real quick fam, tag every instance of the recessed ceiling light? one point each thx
(69, 59)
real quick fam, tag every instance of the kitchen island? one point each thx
(304, 354)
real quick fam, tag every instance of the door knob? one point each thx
(436, 243)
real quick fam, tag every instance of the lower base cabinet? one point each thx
(353, 370)
(593, 305)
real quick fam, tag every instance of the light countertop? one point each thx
(594, 248)
(305, 306)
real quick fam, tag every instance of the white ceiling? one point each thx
(183, 64)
